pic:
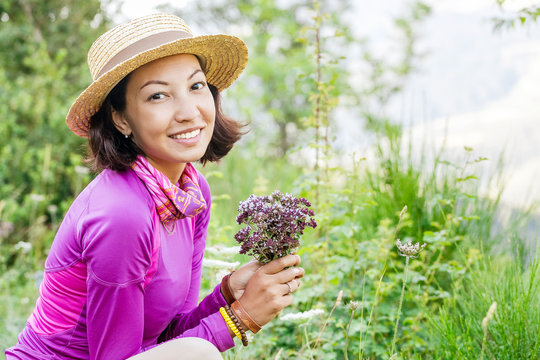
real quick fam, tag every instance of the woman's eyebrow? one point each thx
(159, 82)
(193, 74)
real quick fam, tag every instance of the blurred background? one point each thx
(474, 81)
(362, 107)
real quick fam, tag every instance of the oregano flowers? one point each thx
(274, 225)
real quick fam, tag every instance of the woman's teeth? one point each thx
(188, 135)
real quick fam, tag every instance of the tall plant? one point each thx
(42, 69)
(274, 93)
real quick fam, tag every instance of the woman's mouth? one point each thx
(188, 135)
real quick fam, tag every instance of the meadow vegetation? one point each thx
(359, 299)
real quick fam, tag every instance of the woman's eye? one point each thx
(198, 86)
(156, 96)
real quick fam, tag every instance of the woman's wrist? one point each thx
(244, 317)
(233, 324)
(226, 290)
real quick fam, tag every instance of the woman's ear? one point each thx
(120, 122)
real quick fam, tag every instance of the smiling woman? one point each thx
(123, 275)
(171, 121)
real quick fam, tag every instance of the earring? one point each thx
(127, 136)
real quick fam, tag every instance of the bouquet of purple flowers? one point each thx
(274, 225)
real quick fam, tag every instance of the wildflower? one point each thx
(53, 209)
(302, 315)
(409, 250)
(81, 170)
(37, 197)
(489, 316)
(221, 273)
(218, 264)
(353, 305)
(6, 228)
(24, 246)
(403, 212)
(220, 249)
(274, 225)
(338, 299)
(485, 323)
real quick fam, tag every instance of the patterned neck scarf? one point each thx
(172, 201)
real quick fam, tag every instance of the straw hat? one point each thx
(126, 47)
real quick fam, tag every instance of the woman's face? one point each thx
(170, 112)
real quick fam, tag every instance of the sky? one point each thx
(475, 87)
(480, 88)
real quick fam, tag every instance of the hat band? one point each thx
(149, 42)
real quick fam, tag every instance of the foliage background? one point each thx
(289, 94)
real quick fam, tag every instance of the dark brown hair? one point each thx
(109, 148)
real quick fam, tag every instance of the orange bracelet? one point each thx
(226, 289)
(244, 317)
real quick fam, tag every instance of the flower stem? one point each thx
(338, 300)
(307, 343)
(360, 352)
(400, 303)
(347, 336)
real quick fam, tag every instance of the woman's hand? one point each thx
(239, 279)
(269, 289)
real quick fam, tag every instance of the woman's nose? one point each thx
(186, 109)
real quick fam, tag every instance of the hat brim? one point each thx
(222, 57)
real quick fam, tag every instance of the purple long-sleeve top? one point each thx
(117, 283)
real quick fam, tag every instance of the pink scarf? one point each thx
(173, 202)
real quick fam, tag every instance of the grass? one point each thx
(513, 333)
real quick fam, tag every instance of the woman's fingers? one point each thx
(271, 287)
(239, 279)
(277, 265)
(292, 286)
(289, 274)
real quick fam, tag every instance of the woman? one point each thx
(123, 275)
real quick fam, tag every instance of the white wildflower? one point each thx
(221, 273)
(489, 316)
(403, 211)
(302, 315)
(24, 246)
(408, 249)
(81, 170)
(353, 305)
(220, 249)
(37, 197)
(218, 264)
(339, 297)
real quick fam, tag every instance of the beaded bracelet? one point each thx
(238, 324)
(230, 323)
